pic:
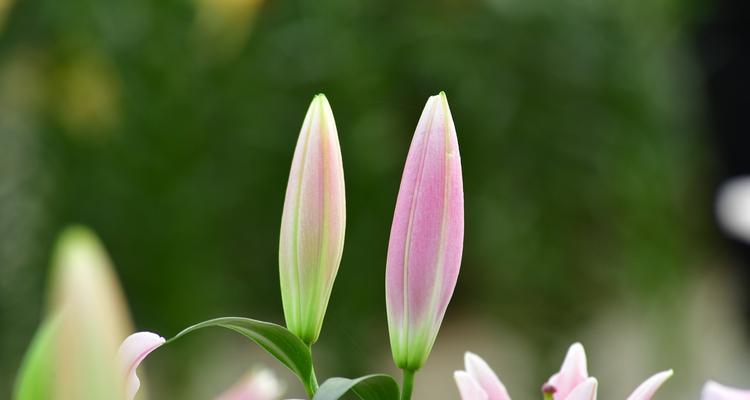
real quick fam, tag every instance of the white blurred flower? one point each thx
(733, 207)
(258, 385)
(715, 391)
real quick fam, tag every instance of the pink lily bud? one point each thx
(716, 391)
(312, 223)
(424, 252)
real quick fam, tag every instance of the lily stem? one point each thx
(311, 386)
(408, 384)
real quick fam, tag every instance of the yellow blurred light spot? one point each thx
(5, 6)
(223, 25)
(89, 97)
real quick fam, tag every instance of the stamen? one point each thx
(548, 390)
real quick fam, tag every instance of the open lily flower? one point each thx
(648, 388)
(572, 373)
(479, 382)
(716, 391)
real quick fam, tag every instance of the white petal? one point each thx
(584, 391)
(733, 207)
(478, 369)
(132, 351)
(716, 391)
(468, 387)
(647, 389)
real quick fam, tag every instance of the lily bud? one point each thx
(93, 319)
(312, 223)
(424, 252)
(74, 354)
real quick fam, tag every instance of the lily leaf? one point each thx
(35, 377)
(369, 387)
(275, 339)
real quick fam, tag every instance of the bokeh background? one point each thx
(593, 136)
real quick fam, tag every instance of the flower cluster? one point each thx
(83, 352)
(572, 382)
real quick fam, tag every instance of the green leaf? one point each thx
(36, 375)
(369, 387)
(275, 339)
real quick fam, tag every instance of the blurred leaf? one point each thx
(35, 376)
(369, 387)
(275, 339)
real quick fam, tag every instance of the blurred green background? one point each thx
(169, 126)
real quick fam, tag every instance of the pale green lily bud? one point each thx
(75, 355)
(94, 318)
(312, 224)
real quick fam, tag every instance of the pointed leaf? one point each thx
(275, 339)
(370, 387)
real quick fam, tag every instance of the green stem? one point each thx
(408, 384)
(311, 386)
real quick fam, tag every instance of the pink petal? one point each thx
(572, 373)
(132, 351)
(478, 369)
(716, 391)
(584, 391)
(647, 389)
(468, 387)
(426, 242)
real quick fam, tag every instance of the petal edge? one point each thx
(647, 389)
(133, 350)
